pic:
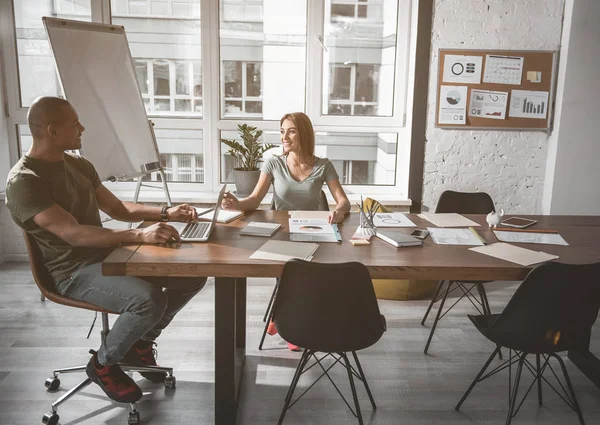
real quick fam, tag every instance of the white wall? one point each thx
(573, 172)
(509, 165)
(4, 157)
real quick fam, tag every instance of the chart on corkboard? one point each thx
(495, 90)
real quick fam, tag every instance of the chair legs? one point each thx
(567, 395)
(441, 295)
(352, 373)
(269, 314)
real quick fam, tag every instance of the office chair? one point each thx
(331, 309)
(323, 206)
(46, 285)
(460, 203)
(553, 310)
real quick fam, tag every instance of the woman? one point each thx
(297, 176)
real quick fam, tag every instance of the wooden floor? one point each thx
(409, 387)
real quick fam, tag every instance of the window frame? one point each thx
(211, 123)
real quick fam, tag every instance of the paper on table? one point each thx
(310, 214)
(285, 251)
(225, 216)
(448, 220)
(531, 237)
(392, 220)
(454, 236)
(514, 254)
(306, 225)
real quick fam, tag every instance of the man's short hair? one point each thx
(44, 111)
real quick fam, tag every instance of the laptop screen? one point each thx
(218, 206)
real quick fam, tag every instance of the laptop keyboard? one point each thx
(197, 230)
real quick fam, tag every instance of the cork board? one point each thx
(501, 69)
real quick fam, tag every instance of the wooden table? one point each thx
(226, 258)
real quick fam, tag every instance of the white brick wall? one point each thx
(509, 165)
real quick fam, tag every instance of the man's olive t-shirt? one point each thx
(34, 186)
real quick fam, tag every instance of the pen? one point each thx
(476, 233)
(508, 229)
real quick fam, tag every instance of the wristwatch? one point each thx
(163, 213)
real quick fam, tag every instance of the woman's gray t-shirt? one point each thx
(289, 194)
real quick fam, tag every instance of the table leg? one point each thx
(587, 363)
(230, 335)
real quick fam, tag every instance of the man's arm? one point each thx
(129, 211)
(58, 221)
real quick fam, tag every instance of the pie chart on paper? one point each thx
(453, 97)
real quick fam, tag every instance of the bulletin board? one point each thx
(474, 85)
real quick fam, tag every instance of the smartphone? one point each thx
(518, 222)
(420, 233)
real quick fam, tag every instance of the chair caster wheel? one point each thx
(50, 418)
(134, 418)
(170, 382)
(52, 383)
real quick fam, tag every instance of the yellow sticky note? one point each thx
(358, 242)
(534, 76)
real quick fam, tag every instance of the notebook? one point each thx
(285, 251)
(199, 231)
(225, 216)
(398, 238)
(257, 228)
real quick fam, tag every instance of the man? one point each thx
(55, 197)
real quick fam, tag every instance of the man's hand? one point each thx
(183, 212)
(335, 217)
(230, 202)
(159, 233)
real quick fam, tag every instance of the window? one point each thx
(343, 62)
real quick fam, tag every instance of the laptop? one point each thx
(199, 231)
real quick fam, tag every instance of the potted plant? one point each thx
(247, 156)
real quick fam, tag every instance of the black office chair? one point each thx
(460, 203)
(332, 309)
(46, 285)
(553, 310)
(323, 206)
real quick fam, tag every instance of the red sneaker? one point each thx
(271, 329)
(143, 353)
(293, 347)
(117, 385)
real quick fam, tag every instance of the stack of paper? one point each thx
(448, 220)
(225, 216)
(285, 251)
(392, 220)
(455, 236)
(257, 228)
(530, 237)
(313, 230)
(514, 254)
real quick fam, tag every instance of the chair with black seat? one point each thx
(329, 309)
(323, 206)
(553, 310)
(460, 203)
(46, 285)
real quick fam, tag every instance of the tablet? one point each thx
(518, 222)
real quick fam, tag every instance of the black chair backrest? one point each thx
(554, 307)
(465, 203)
(327, 307)
(323, 203)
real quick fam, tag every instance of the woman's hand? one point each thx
(335, 217)
(230, 202)
(183, 212)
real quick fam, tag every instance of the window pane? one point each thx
(167, 35)
(359, 64)
(360, 158)
(228, 163)
(25, 139)
(141, 72)
(262, 50)
(37, 72)
(181, 154)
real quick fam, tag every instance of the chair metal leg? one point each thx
(433, 300)
(268, 310)
(264, 334)
(288, 398)
(570, 387)
(437, 317)
(71, 392)
(484, 300)
(515, 390)
(352, 387)
(539, 378)
(364, 379)
(476, 380)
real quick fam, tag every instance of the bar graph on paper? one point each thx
(528, 104)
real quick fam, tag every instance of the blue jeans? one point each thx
(145, 308)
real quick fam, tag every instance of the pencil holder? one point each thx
(366, 226)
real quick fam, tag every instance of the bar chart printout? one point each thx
(528, 104)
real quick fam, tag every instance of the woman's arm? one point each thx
(343, 204)
(252, 202)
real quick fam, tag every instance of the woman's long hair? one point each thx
(306, 134)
